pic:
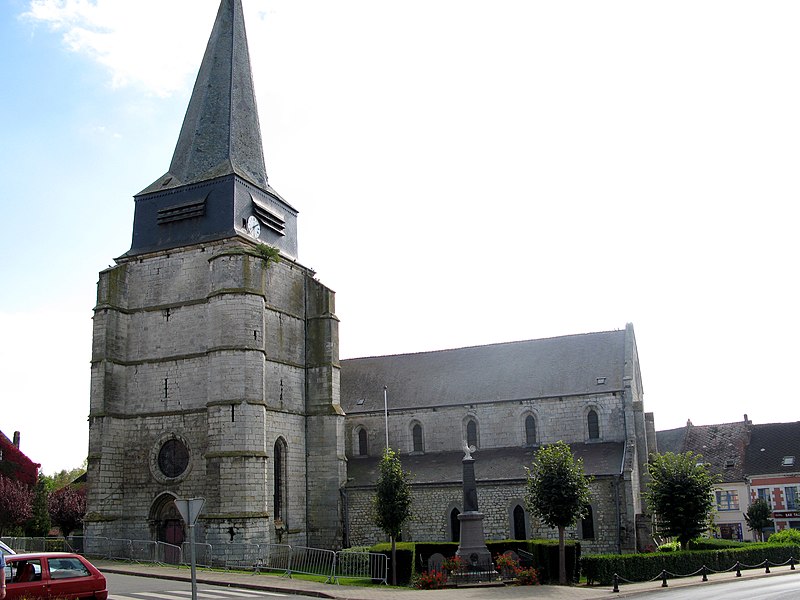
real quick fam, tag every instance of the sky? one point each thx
(467, 172)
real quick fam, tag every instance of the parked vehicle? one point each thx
(5, 549)
(53, 575)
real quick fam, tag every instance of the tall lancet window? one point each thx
(281, 496)
(593, 424)
(472, 433)
(530, 431)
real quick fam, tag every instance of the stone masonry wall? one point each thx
(432, 506)
(500, 424)
(206, 344)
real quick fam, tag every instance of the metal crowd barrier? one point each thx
(281, 558)
(361, 565)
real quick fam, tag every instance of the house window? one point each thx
(728, 500)
(416, 438)
(280, 470)
(530, 433)
(362, 442)
(593, 424)
(520, 531)
(763, 494)
(791, 498)
(472, 433)
(587, 525)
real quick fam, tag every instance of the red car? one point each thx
(53, 575)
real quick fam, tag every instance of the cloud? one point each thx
(150, 44)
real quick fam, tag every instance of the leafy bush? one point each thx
(430, 580)
(600, 568)
(529, 576)
(669, 547)
(714, 544)
(787, 536)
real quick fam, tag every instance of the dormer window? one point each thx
(730, 463)
(600, 380)
(788, 461)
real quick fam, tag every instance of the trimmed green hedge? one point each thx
(414, 556)
(600, 568)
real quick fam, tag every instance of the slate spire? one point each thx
(221, 134)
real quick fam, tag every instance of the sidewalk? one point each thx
(275, 583)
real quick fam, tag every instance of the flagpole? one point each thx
(386, 414)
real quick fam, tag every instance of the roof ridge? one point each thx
(493, 344)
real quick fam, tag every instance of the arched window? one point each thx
(587, 525)
(416, 438)
(455, 526)
(530, 432)
(472, 433)
(593, 424)
(520, 531)
(281, 495)
(362, 441)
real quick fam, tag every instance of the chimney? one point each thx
(16, 439)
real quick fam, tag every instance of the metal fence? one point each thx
(361, 565)
(279, 558)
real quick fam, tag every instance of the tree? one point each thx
(67, 507)
(557, 493)
(680, 493)
(758, 517)
(39, 523)
(392, 500)
(16, 502)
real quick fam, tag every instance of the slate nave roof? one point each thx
(545, 368)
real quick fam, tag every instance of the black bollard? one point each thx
(766, 564)
(791, 563)
(616, 583)
(705, 577)
(663, 579)
(738, 569)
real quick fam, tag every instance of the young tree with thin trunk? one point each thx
(681, 495)
(758, 517)
(392, 500)
(557, 493)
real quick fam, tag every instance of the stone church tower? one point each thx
(215, 361)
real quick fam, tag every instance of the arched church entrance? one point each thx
(167, 527)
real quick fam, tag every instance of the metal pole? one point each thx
(194, 568)
(386, 414)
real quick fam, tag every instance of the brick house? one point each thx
(14, 464)
(773, 473)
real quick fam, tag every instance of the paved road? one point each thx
(778, 588)
(131, 587)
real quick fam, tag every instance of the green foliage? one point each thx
(786, 536)
(600, 568)
(392, 500)
(758, 517)
(704, 543)
(39, 524)
(669, 547)
(557, 489)
(268, 253)
(63, 478)
(680, 494)
(528, 576)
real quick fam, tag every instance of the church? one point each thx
(215, 373)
